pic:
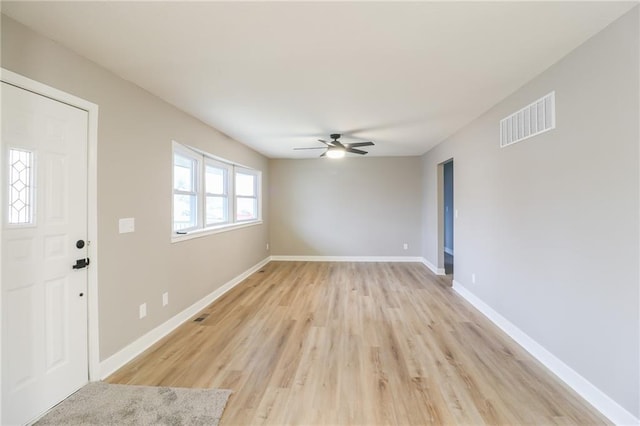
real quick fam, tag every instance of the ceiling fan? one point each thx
(336, 149)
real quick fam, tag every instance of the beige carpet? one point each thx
(105, 404)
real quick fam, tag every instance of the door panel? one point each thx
(56, 336)
(19, 304)
(44, 303)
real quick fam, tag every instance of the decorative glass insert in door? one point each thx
(20, 187)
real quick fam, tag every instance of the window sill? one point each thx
(198, 233)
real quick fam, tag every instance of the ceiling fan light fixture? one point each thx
(336, 149)
(335, 152)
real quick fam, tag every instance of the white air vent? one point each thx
(535, 118)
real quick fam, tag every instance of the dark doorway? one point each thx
(448, 216)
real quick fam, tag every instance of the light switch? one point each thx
(127, 225)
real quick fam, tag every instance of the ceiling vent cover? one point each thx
(537, 117)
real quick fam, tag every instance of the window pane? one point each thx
(20, 187)
(183, 173)
(246, 208)
(215, 180)
(184, 211)
(245, 184)
(216, 210)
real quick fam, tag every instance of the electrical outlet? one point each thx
(473, 278)
(267, 246)
(143, 310)
(165, 298)
(456, 213)
(406, 246)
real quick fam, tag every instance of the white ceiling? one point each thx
(281, 75)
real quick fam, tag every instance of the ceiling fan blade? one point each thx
(316, 147)
(338, 144)
(324, 154)
(356, 151)
(325, 142)
(352, 145)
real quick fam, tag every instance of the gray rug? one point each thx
(105, 404)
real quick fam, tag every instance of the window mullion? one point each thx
(201, 198)
(232, 194)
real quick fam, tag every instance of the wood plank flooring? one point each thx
(356, 343)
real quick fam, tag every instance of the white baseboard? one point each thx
(437, 271)
(347, 258)
(602, 402)
(448, 251)
(126, 354)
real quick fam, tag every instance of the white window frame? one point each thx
(202, 229)
(185, 152)
(256, 191)
(228, 191)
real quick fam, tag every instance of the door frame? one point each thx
(36, 87)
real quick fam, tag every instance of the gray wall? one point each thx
(347, 207)
(134, 180)
(550, 225)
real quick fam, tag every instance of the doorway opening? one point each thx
(446, 213)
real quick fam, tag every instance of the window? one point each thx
(20, 187)
(246, 195)
(185, 190)
(212, 194)
(216, 176)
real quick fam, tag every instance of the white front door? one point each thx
(44, 233)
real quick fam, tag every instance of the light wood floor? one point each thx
(356, 343)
